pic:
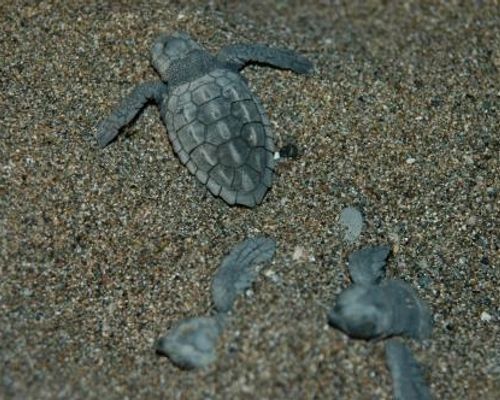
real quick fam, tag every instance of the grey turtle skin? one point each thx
(191, 343)
(217, 127)
(367, 265)
(379, 311)
(238, 270)
(408, 381)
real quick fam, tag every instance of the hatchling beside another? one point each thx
(217, 127)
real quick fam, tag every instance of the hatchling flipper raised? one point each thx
(217, 126)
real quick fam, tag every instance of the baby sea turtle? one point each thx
(217, 127)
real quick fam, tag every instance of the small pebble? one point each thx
(289, 150)
(486, 317)
(352, 220)
(298, 253)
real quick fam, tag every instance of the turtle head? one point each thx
(360, 313)
(168, 49)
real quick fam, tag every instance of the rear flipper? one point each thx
(407, 380)
(130, 106)
(239, 55)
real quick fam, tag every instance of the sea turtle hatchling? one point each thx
(217, 127)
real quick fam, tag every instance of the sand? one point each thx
(101, 251)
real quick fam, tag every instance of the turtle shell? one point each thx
(219, 130)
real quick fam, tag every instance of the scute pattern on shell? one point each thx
(220, 131)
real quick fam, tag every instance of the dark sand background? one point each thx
(102, 250)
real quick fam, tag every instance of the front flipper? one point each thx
(239, 55)
(130, 106)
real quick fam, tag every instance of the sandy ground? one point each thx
(102, 250)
